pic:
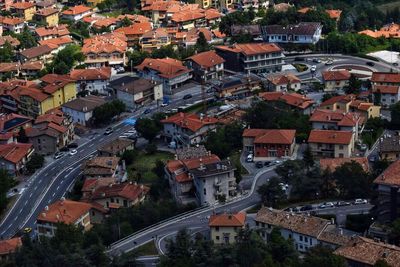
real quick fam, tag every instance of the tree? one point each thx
(322, 256)
(106, 112)
(381, 263)
(22, 138)
(26, 39)
(65, 60)
(308, 157)
(395, 116)
(271, 193)
(225, 140)
(6, 182)
(148, 128)
(178, 251)
(7, 53)
(129, 156)
(394, 233)
(201, 43)
(36, 162)
(354, 85)
(281, 250)
(126, 22)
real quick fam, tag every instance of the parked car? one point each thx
(370, 63)
(73, 152)
(108, 131)
(147, 111)
(329, 62)
(187, 96)
(306, 207)
(259, 164)
(342, 203)
(327, 205)
(359, 201)
(58, 155)
(164, 104)
(313, 68)
(73, 145)
(267, 163)
(363, 147)
(249, 158)
(316, 60)
(64, 149)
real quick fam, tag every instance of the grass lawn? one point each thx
(300, 67)
(112, 14)
(388, 6)
(144, 163)
(147, 249)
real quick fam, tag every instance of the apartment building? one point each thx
(92, 80)
(135, 31)
(77, 13)
(13, 24)
(386, 85)
(206, 66)
(293, 101)
(14, 156)
(331, 143)
(154, 39)
(81, 109)
(224, 228)
(335, 80)
(302, 33)
(25, 10)
(48, 16)
(252, 57)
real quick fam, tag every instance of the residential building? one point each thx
(58, 43)
(252, 57)
(12, 122)
(136, 92)
(99, 167)
(46, 4)
(304, 230)
(189, 38)
(50, 32)
(187, 128)
(8, 247)
(206, 66)
(391, 30)
(224, 228)
(26, 10)
(48, 16)
(41, 52)
(188, 19)
(31, 69)
(61, 88)
(283, 82)
(302, 33)
(92, 80)
(238, 86)
(105, 50)
(14, 156)
(116, 147)
(135, 31)
(92, 184)
(365, 252)
(119, 195)
(332, 163)
(253, 30)
(282, 7)
(389, 146)
(14, 42)
(81, 109)
(269, 143)
(331, 143)
(6, 4)
(9, 69)
(170, 72)
(386, 85)
(293, 101)
(335, 79)
(65, 211)
(334, 14)
(104, 23)
(76, 13)
(154, 39)
(13, 24)
(366, 110)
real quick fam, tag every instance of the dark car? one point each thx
(259, 164)
(369, 63)
(108, 131)
(64, 149)
(267, 163)
(147, 111)
(188, 96)
(342, 203)
(307, 207)
(72, 145)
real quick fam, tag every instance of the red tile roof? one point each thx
(337, 117)
(75, 10)
(271, 136)
(47, 11)
(251, 48)
(330, 137)
(387, 89)
(59, 30)
(338, 99)
(12, 21)
(91, 184)
(63, 40)
(15, 152)
(227, 220)
(385, 77)
(125, 190)
(336, 75)
(334, 13)
(22, 5)
(8, 246)
(207, 59)
(212, 13)
(390, 176)
(190, 121)
(283, 79)
(106, 43)
(166, 67)
(187, 15)
(103, 73)
(292, 99)
(135, 29)
(65, 211)
(333, 163)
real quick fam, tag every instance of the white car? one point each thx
(58, 155)
(249, 158)
(360, 201)
(164, 104)
(329, 62)
(73, 152)
(313, 68)
(327, 205)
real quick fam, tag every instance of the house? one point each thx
(13, 24)
(81, 109)
(338, 103)
(99, 167)
(14, 156)
(154, 39)
(134, 32)
(335, 79)
(76, 13)
(170, 72)
(46, 4)
(57, 43)
(269, 143)
(31, 69)
(92, 184)
(238, 86)
(252, 57)
(104, 23)
(302, 33)
(9, 247)
(334, 13)
(332, 163)
(365, 252)
(331, 143)
(119, 195)
(70, 212)
(283, 82)
(157, 10)
(391, 30)
(41, 52)
(293, 101)
(210, 178)
(48, 16)
(26, 10)
(5, 4)
(187, 128)
(14, 42)
(206, 66)
(9, 69)
(189, 38)
(105, 50)
(61, 88)
(385, 86)
(92, 80)
(12, 123)
(50, 32)
(188, 19)
(365, 109)
(253, 30)
(116, 147)
(224, 228)
(136, 92)
(389, 146)
(336, 120)
(304, 230)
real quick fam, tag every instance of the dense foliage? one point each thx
(6, 182)
(104, 113)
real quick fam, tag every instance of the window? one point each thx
(204, 191)
(217, 228)
(340, 146)
(301, 238)
(305, 239)
(112, 200)
(290, 235)
(217, 237)
(301, 247)
(93, 213)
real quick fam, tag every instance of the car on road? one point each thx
(187, 96)
(316, 60)
(342, 203)
(73, 152)
(147, 111)
(370, 63)
(313, 68)
(122, 136)
(64, 149)
(259, 164)
(164, 104)
(359, 201)
(27, 230)
(306, 207)
(58, 155)
(249, 158)
(73, 145)
(267, 163)
(327, 205)
(108, 131)
(119, 69)
(278, 161)
(329, 62)
(395, 64)
(373, 158)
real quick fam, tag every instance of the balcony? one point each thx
(218, 192)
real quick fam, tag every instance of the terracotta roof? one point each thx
(32, 65)
(334, 237)
(9, 66)
(390, 176)
(106, 22)
(299, 223)
(227, 220)
(92, 184)
(15, 152)
(368, 252)
(304, 10)
(330, 137)
(134, 18)
(101, 166)
(338, 99)
(12, 21)
(47, 11)
(283, 79)
(160, 6)
(65, 211)
(11, 40)
(8, 246)
(391, 30)
(334, 13)
(75, 10)
(207, 59)
(9, 122)
(212, 13)
(125, 190)
(387, 89)
(155, 34)
(292, 99)
(85, 104)
(53, 82)
(59, 30)
(103, 73)
(135, 29)
(282, 7)
(116, 145)
(271, 136)
(50, 117)
(63, 40)
(251, 48)
(37, 51)
(187, 15)
(33, 93)
(333, 163)
(336, 75)
(106, 43)
(22, 5)
(385, 77)
(166, 67)
(190, 121)
(337, 117)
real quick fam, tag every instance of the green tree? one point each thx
(271, 193)
(126, 22)
(308, 157)
(281, 250)
(6, 182)
(381, 263)
(36, 162)
(354, 85)
(394, 233)
(201, 43)
(178, 251)
(129, 156)
(106, 112)
(322, 256)
(148, 128)
(65, 60)
(395, 116)
(225, 140)
(26, 39)
(7, 53)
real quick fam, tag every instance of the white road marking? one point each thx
(54, 194)
(58, 187)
